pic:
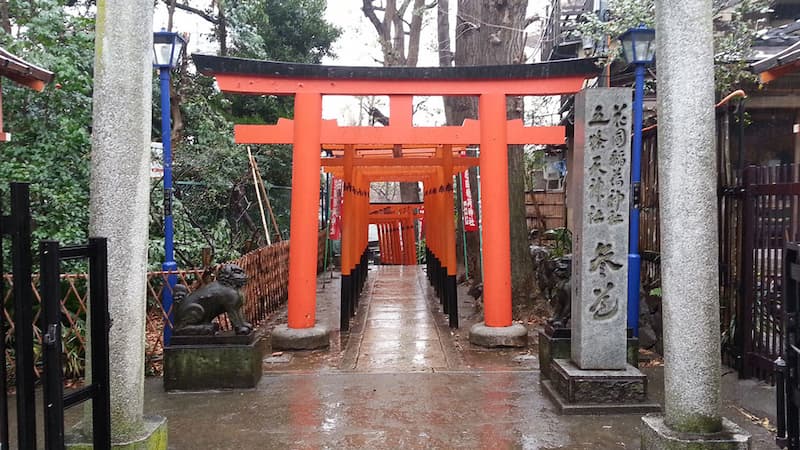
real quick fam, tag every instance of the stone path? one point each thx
(398, 333)
(401, 379)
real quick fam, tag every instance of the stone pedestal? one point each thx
(514, 335)
(554, 343)
(194, 363)
(154, 437)
(656, 435)
(578, 391)
(313, 338)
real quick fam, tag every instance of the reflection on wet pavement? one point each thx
(399, 380)
(399, 332)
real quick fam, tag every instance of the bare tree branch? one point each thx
(199, 12)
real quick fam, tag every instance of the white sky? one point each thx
(357, 46)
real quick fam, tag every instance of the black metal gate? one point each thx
(787, 369)
(17, 225)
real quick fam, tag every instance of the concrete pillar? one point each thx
(689, 245)
(120, 196)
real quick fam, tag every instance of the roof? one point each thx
(782, 63)
(208, 64)
(23, 72)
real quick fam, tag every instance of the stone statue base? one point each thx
(656, 435)
(554, 343)
(225, 361)
(577, 391)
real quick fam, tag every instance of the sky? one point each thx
(357, 46)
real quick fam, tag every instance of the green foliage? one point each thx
(215, 200)
(534, 163)
(562, 241)
(50, 130)
(733, 39)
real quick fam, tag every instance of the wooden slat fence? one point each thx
(265, 293)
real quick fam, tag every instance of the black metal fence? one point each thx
(759, 210)
(18, 226)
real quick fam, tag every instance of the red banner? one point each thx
(335, 225)
(470, 223)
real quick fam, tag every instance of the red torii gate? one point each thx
(396, 239)
(309, 134)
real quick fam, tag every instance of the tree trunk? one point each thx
(5, 17)
(491, 33)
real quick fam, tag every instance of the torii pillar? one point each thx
(497, 329)
(302, 332)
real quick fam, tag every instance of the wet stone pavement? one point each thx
(402, 379)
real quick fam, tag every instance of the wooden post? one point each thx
(304, 210)
(495, 211)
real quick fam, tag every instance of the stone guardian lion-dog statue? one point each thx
(194, 312)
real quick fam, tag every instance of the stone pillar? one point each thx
(120, 198)
(601, 162)
(689, 246)
(597, 378)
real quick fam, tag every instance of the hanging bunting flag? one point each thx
(335, 231)
(470, 224)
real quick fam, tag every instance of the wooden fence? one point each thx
(545, 210)
(265, 293)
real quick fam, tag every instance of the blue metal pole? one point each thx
(634, 259)
(169, 265)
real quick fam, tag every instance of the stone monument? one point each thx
(201, 357)
(597, 376)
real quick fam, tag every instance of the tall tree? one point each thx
(51, 129)
(398, 28)
(214, 198)
(493, 33)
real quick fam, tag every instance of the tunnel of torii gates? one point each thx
(397, 152)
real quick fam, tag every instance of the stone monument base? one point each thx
(196, 363)
(656, 435)
(285, 338)
(515, 335)
(155, 437)
(554, 343)
(576, 391)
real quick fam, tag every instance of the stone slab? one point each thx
(566, 408)
(154, 437)
(209, 367)
(553, 344)
(656, 435)
(586, 391)
(515, 335)
(223, 338)
(285, 338)
(600, 195)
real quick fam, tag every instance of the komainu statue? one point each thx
(194, 312)
(553, 275)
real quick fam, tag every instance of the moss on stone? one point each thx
(154, 437)
(696, 423)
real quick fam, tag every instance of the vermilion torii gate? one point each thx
(395, 223)
(397, 152)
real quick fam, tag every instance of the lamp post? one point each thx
(167, 47)
(638, 46)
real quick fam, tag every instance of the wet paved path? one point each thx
(401, 379)
(399, 333)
